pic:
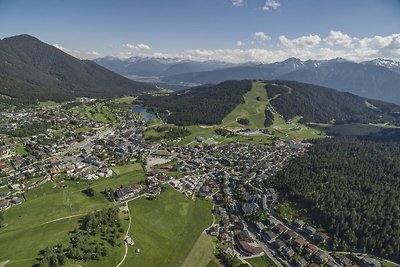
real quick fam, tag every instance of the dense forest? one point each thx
(323, 105)
(351, 187)
(200, 105)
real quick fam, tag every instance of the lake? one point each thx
(143, 112)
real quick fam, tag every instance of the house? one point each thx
(290, 235)
(272, 221)
(310, 230)
(249, 249)
(321, 237)
(279, 244)
(321, 256)
(3, 166)
(16, 200)
(129, 240)
(250, 208)
(4, 203)
(288, 252)
(126, 193)
(269, 236)
(299, 243)
(298, 223)
(244, 235)
(299, 262)
(311, 249)
(260, 226)
(281, 228)
(213, 230)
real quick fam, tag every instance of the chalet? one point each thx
(269, 236)
(213, 230)
(3, 166)
(224, 236)
(279, 244)
(290, 235)
(250, 208)
(299, 243)
(311, 249)
(298, 223)
(272, 221)
(244, 236)
(281, 228)
(249, 249)
(126, 193)
(310, 230)
(4, 203)
(16, 200)
(260, 226)
(288, 252)
(321, 256)
(321, 237)
(299, 262)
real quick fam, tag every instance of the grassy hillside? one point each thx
(252, 109)
(166, 229)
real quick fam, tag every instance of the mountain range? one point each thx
(377, 79)
(152, 66)
(32, 70)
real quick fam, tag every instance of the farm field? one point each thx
(49, 212)
(166, 229)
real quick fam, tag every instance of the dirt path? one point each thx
(127, 233)
(63, 218)
(3, 264)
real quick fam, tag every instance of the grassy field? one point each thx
(98, 113)
(253, 109)
(124, 100)
(202, 252)
(263, 261)
(166, 229)
(47, 104)
(20, 150)
(133, 167)
(43, 219)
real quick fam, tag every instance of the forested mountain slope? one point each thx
(32, 70)
(351, 187)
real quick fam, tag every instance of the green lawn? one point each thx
(47, 104)
(20, 150)
(263, 261)
(165, 230)
(253, 109)
(98, 113)
(124, 100)
(32, 226)
(127, 168)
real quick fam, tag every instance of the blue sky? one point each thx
(232, 30)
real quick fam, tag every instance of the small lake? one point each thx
(143, 112)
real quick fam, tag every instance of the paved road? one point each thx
(127, 233)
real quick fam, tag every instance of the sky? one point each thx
(227, 30)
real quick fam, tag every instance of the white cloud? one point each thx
(237, 2)
(94, 54)
(334, 44)
(74, 53)
(337, 38)
(300, 42)
(271, 4)
(261, 36)
(137, 46)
